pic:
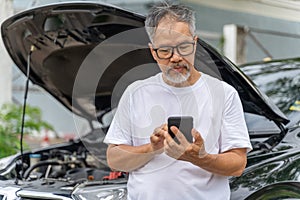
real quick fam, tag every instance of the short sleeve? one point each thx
(234, 132)
(120, 128)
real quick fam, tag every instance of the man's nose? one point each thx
(176, 56)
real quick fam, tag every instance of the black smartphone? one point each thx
(184, 124)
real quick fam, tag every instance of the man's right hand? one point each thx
(127, 158)
(157, 139)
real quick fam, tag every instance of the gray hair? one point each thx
(180, 13)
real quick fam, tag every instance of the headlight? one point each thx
(8, 193)
(103, 192)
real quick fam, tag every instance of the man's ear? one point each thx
(152, 51)
(195, 39)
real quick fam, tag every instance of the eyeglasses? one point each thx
(183, 49)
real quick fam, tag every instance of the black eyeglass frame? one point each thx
(173, 47)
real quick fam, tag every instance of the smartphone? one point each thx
(184, 124)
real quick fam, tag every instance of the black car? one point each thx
(85, 55)
(280, 81)
(276, 173)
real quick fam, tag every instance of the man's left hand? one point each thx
(184, 150)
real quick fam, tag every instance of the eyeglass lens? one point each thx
(183, 49)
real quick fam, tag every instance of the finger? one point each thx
(169, 141)
(179, 135)
(158, 131)
(167, 135)
(154, 138)
(164, 127)
(175, 130)
(197, 136)
(156, 135)
(172, 148)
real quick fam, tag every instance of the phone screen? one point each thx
(184, 124)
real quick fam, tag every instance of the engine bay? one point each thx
(59, 169)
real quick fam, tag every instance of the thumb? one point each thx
(198, 139)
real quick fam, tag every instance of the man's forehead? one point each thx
(178, 31)
(169, 36)
(169, 30)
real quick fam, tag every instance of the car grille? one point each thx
(34, 195)
(40, 198)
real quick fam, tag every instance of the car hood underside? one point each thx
(58, 39)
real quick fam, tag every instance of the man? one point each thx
(138, 138)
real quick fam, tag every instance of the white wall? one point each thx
(6, 10)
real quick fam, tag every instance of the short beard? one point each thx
(176, 77)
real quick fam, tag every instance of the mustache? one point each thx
(174, 65)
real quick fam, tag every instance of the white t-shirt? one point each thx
(218, 116)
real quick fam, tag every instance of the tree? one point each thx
(10, 126)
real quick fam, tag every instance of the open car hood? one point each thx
(59, 38)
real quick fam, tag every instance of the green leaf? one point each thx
(10, 126)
